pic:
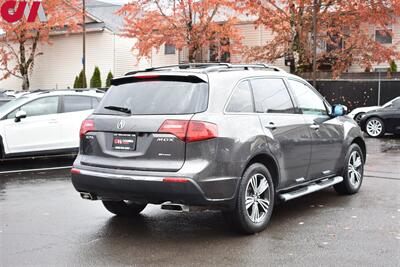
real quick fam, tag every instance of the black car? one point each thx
(230, 137)
(385, 120)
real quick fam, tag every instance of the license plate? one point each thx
(124, 142)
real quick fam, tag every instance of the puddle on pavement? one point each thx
(386, 144)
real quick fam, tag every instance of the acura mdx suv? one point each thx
(237, 138)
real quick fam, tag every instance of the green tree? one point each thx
(82, 83)
(393, 66)
(76, 82)
(110, 76)
(95, 81)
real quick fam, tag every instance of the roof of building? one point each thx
(105, 13)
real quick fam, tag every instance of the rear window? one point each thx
(156, 97)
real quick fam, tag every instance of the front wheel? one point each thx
(353, 172)
(358, 117)
(375, 127)
(255, 200)
(124, 207)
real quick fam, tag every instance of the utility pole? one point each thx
(314, 75)
(84, 37)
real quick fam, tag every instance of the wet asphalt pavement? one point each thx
(43, 222)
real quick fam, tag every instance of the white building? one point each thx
(61, 61)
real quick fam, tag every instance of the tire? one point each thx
(353, 172)
(375, 127)
(358, 116)
(260, 204)
(124, 208)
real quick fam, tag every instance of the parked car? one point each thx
(45, 122)
(230, 137)
(384, 120)
(4, 98)
(358, 113)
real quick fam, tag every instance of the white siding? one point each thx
(126, 58)
(253, 36)
(395, 41)
(158, 58)
(62, 60)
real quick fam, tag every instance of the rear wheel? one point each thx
(375, 127)
(124, 207)
(353, 172)
(255, 200)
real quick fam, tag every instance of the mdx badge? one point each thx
(121, 124)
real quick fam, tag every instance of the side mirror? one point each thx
(338, 110)
(20, 115)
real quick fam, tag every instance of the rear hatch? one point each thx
(141, 123)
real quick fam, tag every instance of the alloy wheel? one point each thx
(374, 127)
(354, 170)
(258, 198)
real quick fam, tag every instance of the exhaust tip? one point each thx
(88, 196)
(174, 207)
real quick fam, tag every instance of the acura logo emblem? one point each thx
(121, 124)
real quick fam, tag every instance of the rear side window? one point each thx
(78, 103)
(156, 97)
(272, 96)
(242, 99)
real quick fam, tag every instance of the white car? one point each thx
(45, 122)
(358, 113)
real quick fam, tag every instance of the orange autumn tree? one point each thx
(190, 24)
(343, 32)
(19, 40)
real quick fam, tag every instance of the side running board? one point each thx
(308, 189)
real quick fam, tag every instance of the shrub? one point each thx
(393, 66)
(81, 80)
(110, 76)
(95, 81)
(76, 82)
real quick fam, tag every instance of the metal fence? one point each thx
(359, 93)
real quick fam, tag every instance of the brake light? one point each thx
(175, 127)
(146, 76)
(190, 131)
(75, 171)
(175, 180)
(201, 130)
(86, 126)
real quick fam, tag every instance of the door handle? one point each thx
(314, 126)
(53, 121)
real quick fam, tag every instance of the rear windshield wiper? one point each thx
(120, 109)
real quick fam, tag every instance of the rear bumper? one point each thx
(152, 188)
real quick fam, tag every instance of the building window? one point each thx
(384, 36)
(169, 49)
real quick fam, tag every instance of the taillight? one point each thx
(200, 130)
(175, 127)
(86, 126)
(75, 171)
(190, 131)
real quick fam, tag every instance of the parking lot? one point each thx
(43, 221)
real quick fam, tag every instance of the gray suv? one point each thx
(237, 138)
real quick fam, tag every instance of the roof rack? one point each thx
(209, 67)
